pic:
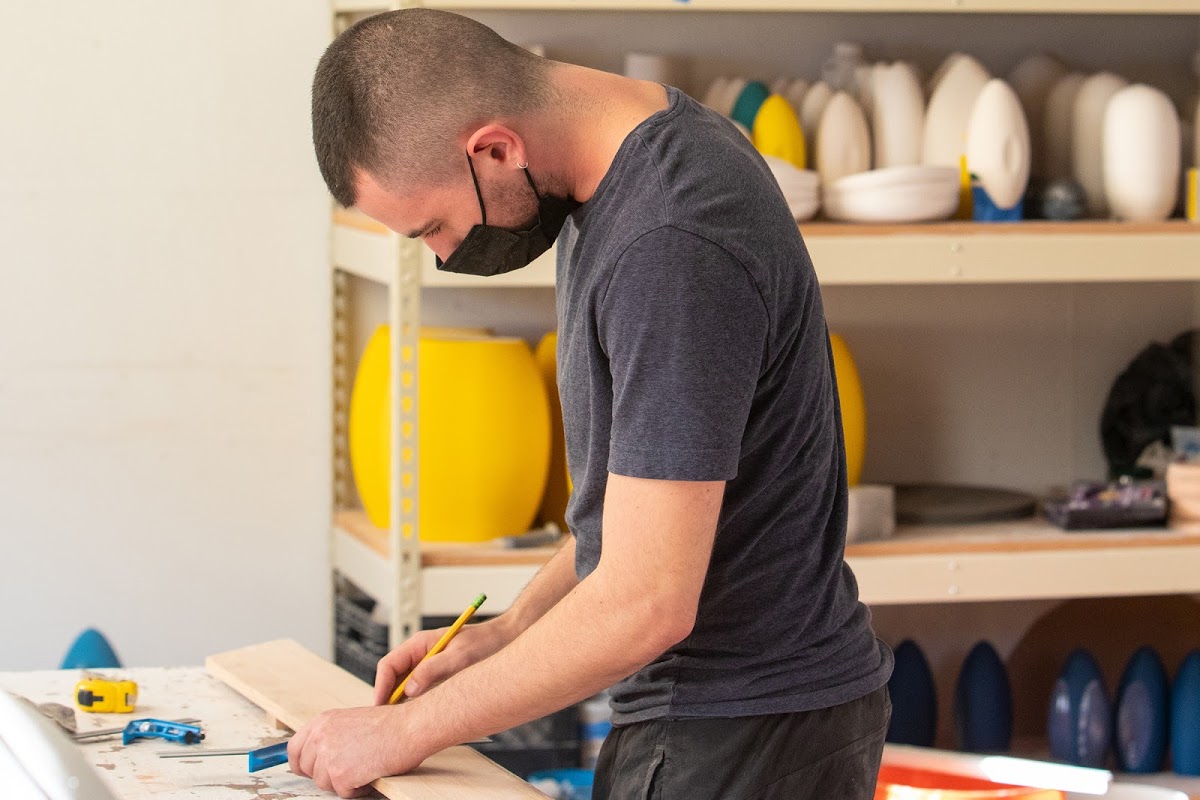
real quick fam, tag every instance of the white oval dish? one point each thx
(998, 144)
(898, 116)
(935, 79)
(944, 140)
(725, 101)
(864, 87)
(1196, 136)
(1058, 124)
(1032, 80)
(716, 90)
(794, 94)
(1087, 133)
(843, 139)
(1141, 144)
(815, 100)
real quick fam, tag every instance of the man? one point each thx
(706, 576)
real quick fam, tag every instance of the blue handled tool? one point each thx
(161, 729)
(270, 756)
(261, 758)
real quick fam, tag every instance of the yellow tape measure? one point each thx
(100, 695)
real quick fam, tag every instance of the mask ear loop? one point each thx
(479, 194)
(525, 168)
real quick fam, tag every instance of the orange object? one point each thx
(854, 410)
(558, 485)
(906, 783)
(966, 197)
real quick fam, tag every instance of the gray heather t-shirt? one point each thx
(692, 346)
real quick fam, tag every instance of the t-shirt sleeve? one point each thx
(685, 330)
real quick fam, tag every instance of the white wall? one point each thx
(164, 327)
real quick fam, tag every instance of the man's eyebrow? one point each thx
(421, 231)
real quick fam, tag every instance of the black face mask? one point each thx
(488, 250)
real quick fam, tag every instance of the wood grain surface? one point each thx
(293, 685)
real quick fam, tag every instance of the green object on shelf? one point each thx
(746, 107)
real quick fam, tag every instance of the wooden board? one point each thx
(293, 685)
(441, 554)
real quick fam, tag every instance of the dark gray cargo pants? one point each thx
(830, 754)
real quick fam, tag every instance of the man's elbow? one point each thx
(670, 620)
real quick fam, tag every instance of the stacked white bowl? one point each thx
(801, 187)
(894, 195)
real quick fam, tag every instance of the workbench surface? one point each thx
(136, 771)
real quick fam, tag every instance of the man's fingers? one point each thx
(295, 748)
(435, 670)
(395, 665)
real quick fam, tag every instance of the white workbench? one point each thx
(136, 771)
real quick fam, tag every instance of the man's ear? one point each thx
(497, 145)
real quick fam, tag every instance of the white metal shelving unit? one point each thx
(921, 565)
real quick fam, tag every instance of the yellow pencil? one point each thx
(440, 646)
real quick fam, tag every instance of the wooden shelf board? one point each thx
(1029, 228)
(1025, 252)
(443, 554)
(848, 254)
(1021, 536)
(920, 564)
(1021, 561)
(851, 6)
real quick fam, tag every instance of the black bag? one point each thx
(1153, 393)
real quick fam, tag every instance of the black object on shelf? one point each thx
(943, 504)
(1155, 392)
(1119, 504)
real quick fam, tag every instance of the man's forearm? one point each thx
(583, 644)
(549, 585)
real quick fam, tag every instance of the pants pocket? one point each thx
(650, 785)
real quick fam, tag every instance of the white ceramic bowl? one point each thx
(897, 176)
(893, 204)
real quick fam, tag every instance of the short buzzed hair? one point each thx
(394, 90)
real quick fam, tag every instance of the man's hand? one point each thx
(472, 644)
(344, 750)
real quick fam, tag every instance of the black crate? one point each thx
(352, 618)
(356, 659)
(551, 742)
(524, 763)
